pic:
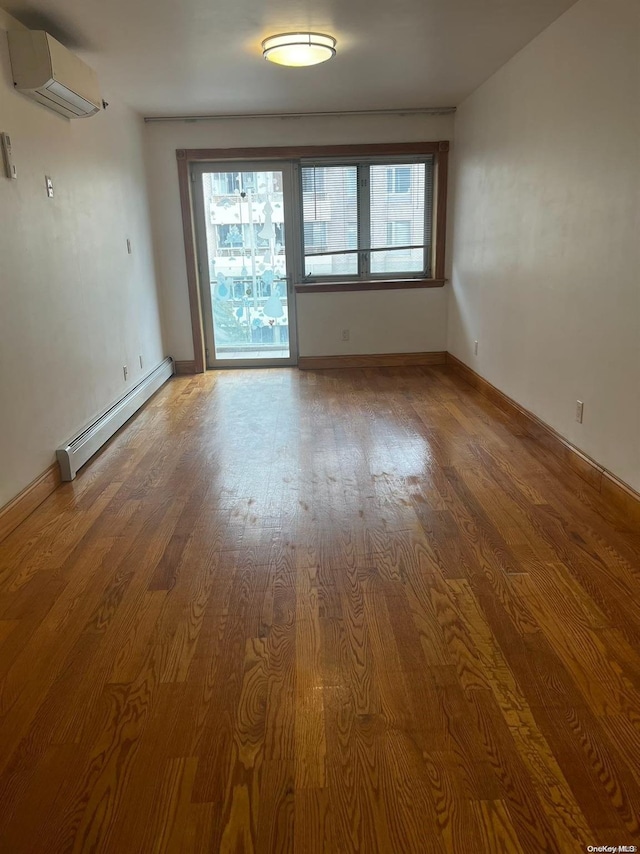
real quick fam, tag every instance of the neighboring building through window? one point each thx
(399, 232)
(226, 183)
(398, 179)
(231, 236)
(313, 180)
(315, 236)
(233, 183)
(369, 219)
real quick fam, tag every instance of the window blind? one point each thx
(367, 219)
(400, 201)
(330, 212)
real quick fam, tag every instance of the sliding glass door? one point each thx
(243, 230)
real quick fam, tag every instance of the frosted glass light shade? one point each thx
(298, 49)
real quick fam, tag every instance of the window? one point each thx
(363, 217)
(229, 236)
(336, 207)
(236, 238)
(399, 232)
(398, 179)
(376, 220)
(355, 245)
(232, 183)
(315, 236)
(313, 181)
(225, 183)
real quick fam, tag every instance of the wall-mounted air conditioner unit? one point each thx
(46, 71)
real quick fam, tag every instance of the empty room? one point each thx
(319, 427)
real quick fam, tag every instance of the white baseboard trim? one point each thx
(73, 455)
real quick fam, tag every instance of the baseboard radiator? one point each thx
(82, 447)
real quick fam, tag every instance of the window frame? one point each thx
(364, 251)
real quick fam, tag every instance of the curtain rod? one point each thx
(429, 111)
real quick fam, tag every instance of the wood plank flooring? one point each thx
(342, 611)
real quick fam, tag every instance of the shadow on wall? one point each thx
(62, 31)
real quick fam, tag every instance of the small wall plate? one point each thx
(9, 168)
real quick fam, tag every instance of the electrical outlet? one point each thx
(140, 361)
(128, 246)
(125, 371)
(49, 185)
(475, 348)
(579, 411)
(345, 334)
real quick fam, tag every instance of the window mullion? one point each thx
(364, 222)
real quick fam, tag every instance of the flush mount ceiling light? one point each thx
(299, 49)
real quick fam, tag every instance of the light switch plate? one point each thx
(7, 157)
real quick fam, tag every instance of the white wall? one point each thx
(546, 259)
(321, 317)
(74, 306)
(403, 321)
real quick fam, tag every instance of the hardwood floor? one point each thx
(344, 611)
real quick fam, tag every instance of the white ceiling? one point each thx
(186, 57)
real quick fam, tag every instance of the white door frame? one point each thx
(290, 202)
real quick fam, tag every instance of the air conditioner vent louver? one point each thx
(46, 71)
(72, 101)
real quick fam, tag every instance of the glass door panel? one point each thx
(244, 261)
